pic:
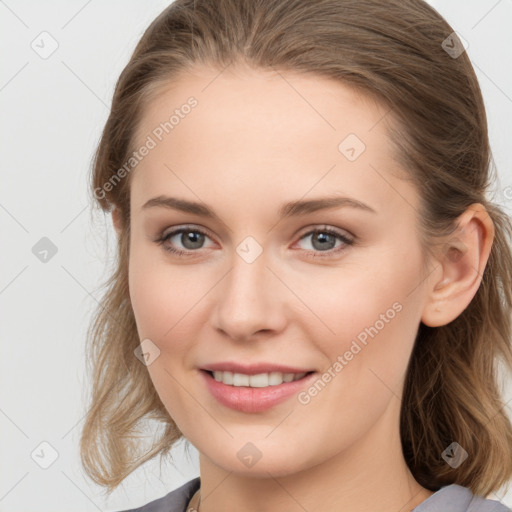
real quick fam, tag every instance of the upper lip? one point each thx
(254, 368)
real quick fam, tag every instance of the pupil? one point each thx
(189, 239)
(323, 238)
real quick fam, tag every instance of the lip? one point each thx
(254, 368)
(253, 400)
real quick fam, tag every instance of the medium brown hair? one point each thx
(391, 51)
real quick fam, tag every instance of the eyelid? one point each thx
(166, 234)
(325, 227)
(347, 241)
(185, 227)
(300, 234)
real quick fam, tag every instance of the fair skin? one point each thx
(255, 141)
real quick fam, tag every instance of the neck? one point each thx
(369, 474)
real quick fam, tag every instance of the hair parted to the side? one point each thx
(392, 52)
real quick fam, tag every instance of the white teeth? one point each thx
(239, 379)
(260, 380)
(275, 378)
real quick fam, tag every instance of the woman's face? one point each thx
(257, 291)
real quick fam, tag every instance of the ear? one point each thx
(116, 220)
(463, 260)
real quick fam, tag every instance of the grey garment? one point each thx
(451, 498)
(175, 501)
(455, 498)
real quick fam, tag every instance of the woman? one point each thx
(243, 137)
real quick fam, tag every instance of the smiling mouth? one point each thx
(260, 380)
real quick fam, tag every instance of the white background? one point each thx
(52, 114)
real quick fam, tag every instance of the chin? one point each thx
(261, 463)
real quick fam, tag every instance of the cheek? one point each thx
(372, 317)
(167, 300)
(151, 293)
(161, 299)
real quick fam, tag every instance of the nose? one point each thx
(249, 300)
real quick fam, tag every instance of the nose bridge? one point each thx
(247, 283)
(247, 302)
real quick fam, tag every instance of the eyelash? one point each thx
(322, 254)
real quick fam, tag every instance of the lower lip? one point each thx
(247, 399)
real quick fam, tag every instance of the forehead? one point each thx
(289, 131)
(287, 104)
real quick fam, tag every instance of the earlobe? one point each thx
(463, 259)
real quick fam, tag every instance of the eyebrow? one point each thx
(290, 209)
